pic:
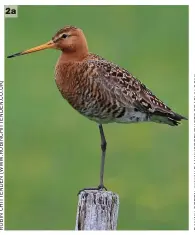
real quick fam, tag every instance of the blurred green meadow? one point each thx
(52, 151)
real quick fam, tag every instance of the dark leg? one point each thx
(103, 147)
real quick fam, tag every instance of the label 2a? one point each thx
(11, 11)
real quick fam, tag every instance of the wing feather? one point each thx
(129, 91)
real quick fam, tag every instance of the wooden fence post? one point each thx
(97, 210)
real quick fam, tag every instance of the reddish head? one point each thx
(70, 40)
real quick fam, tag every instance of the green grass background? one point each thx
(52, 151)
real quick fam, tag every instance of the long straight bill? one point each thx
(47, 45)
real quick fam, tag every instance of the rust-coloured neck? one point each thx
(71, 56)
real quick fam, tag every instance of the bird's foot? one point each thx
(99, 188)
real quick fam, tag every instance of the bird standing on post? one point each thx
(100, 90)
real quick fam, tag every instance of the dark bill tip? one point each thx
(14, 55)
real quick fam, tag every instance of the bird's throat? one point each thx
(74, 56)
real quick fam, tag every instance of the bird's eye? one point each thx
(64, 35)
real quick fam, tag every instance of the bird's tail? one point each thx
(171, 118)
